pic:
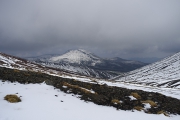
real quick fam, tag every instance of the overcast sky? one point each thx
(108, 28)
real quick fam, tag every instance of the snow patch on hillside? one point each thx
(7, 61)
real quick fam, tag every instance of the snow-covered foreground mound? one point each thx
(43, 102)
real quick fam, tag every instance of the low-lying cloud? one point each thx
(122, 28)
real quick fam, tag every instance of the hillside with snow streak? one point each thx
(13, 62)
(164, 73)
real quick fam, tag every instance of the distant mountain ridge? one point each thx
(164, 73)
(86, 63)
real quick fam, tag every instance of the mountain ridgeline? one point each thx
(164, 73)
(85, 63)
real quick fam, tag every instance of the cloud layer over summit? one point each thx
(124, 28)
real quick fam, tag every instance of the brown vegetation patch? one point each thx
(86, 91)
(12, 98)
(152, 103)
(139, 108)
(115, 101)
(162, 112)
(136, 95)
(15, 70)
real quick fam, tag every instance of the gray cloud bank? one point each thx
(109, 28)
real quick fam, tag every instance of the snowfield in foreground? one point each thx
(43, 102)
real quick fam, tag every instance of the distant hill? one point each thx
(86, 63)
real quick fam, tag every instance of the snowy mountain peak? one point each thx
(76, 56)
(86, 63)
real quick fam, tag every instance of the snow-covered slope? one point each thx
(164, 73)
(81, 70)
(64, 106)
(86, 63)
(13, 62)
(40, 103)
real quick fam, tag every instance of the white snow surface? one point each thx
(76, 56)
(165, 73)
(40, 103)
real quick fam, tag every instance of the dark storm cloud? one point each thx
(123, 28)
